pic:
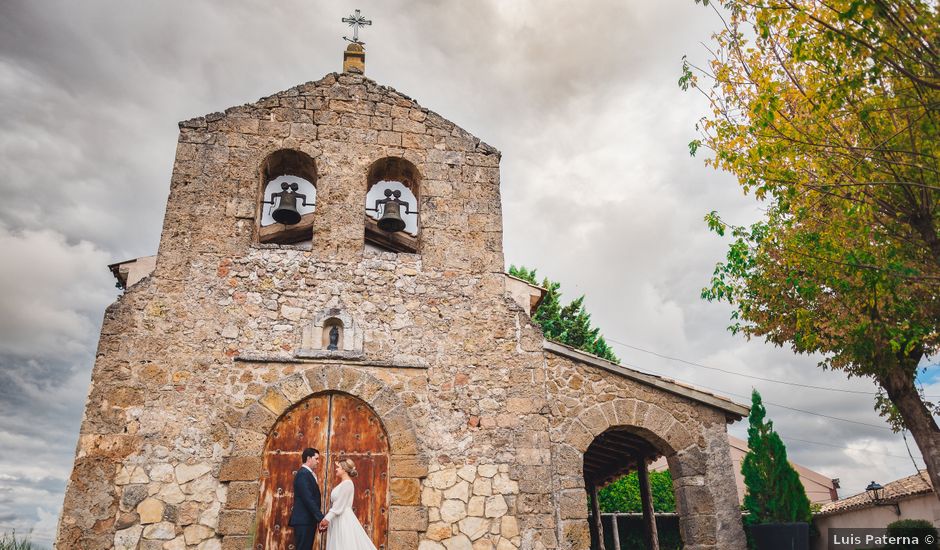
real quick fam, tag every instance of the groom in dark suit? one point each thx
(306, 514)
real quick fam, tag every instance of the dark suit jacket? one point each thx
(306, 500)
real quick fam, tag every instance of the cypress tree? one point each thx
(570, 324)
(774, 492)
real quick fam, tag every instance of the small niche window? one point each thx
(288, 198)
(333, 335)
(392, 220)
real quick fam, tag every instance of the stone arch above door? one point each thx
(241, 470)
(656, 424)
(698, 456)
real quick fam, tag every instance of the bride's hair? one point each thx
(349, 467)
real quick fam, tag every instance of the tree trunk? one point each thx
(898, 383)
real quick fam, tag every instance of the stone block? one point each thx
(594, 420)
(626, 411)
(453, 511)
(160, 531)
(408, 518)
(575, 534)
(127, 539)
(460, 491)
(133, 495)
(572, 504)
(477, 506)
(687, 463)
(487, 470)
(474, 527)
(194, 534)
(248, 443)
(243, 495)
(150, 510)
(402, 540)
(483, 487)
(405, 491)
(578, 436)
(699, 530)
(658, 421)
(442, 479)
(403, 443)
(240, 468)
(230, 542)
(459, 542)
(235, 522)
(188, 472)
(508, 527)
(275, 401)
(438, 531)
(495, 506)
(294, 388)
(258, 418)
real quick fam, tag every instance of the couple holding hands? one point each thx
(342, 527)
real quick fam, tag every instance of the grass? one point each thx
(9, 541)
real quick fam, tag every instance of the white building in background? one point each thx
(819, 488)
(910, 497)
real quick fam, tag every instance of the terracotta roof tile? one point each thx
(895, 491)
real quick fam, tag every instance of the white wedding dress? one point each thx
(344, 531)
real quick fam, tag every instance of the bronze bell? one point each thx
(391, 221)
(391, 218)
(286, 211)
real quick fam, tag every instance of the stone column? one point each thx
(706, 494)
(646, 499)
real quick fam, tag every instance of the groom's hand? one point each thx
(323, 525)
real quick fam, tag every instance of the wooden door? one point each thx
(340, 426)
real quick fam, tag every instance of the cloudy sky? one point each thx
(599, 191)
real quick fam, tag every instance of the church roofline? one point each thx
(734, 411)
(200, 121)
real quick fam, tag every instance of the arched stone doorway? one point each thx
(339, 426)
(616, 452)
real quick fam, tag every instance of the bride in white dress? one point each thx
(343, 530)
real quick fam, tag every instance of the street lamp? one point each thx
(877, 494)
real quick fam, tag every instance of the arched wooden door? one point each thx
(340, 426)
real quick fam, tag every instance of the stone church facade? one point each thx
(414, 354)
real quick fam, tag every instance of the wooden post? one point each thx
(646, 499)
(616, 533)
(596, 526)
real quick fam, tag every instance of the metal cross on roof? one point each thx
(356, 21)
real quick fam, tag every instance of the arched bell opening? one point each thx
(340, 426)
(392, 221)
(288, 197)
(615, 453)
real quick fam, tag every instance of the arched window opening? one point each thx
(288, 198)
(392, 221)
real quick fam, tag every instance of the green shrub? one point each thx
(915, 528)
(623, 495)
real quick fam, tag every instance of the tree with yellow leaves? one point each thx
(828, 112)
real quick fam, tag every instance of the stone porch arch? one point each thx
(241, 471)
(698, 457)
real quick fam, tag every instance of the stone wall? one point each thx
(587, 401)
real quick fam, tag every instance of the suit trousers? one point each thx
(303, 536)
